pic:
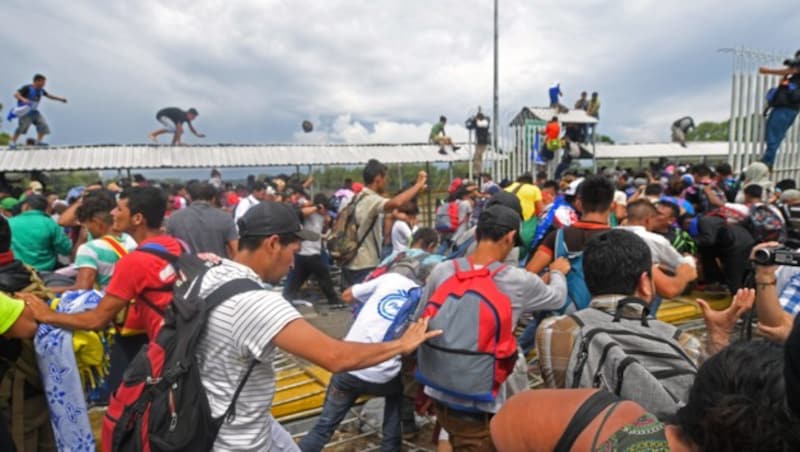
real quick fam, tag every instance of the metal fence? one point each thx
(748, 101)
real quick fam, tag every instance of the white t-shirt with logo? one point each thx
(382, 297)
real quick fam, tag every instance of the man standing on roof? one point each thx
(173, 119)
(438, 136)
(593, 110)
(27, 110)
(582, 103)
(680, 128)
(555, 93)
(481, 141)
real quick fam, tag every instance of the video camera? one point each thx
(793, 62)
(779, 255)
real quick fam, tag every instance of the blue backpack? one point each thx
(403, 317)
(577, 293)
(786, 94)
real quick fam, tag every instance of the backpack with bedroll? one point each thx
(161, 404)
(636, 359)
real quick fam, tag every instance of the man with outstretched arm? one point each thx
(250, 325)
(27, 109)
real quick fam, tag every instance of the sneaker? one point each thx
(455, 148)
(12, 146)
(442, 151)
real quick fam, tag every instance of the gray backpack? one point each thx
(635, 359)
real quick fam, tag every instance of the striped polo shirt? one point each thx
(239, 330)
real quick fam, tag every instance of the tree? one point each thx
(710, 131)
(605, 139)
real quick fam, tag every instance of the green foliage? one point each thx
(710, 131)
(605, 139)
(62, 182)
(4, 139)
(399, 176)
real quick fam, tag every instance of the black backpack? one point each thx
(161, 404)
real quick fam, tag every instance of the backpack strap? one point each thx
(230, 413)
(158, 251)
(214, 299)
(495, 268)
(369, 229)
(560, 245)
(589, 410)
(117, 247)
(229, 290)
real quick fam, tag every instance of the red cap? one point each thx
(357, 187)
(457, 182)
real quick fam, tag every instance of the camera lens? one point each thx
(763, 257)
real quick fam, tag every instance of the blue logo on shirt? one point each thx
(390, 305)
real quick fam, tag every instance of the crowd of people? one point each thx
(580, 264)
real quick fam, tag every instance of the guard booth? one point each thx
(526, 134)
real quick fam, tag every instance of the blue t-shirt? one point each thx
(554, 91)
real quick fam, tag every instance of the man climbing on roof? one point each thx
(680, 128)
(173, 119)
(27, 109)
(439, 137)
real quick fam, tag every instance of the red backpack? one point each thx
(161, 404)
(477, 350)
(447, 217)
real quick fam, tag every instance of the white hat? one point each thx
(572, 189)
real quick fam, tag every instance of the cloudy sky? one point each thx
(374, 71)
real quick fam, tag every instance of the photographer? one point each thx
(783, 103)
(777, 291)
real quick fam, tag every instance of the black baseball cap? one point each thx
(504, 198)
(272, 218)
(501, 216)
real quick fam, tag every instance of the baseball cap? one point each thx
(272, 218)
(501, 216)
(36, 186)
(572, 190)
(504, 198)
(788, 196)
(455, 185)
(8, 203)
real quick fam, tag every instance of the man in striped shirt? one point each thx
(250, 326)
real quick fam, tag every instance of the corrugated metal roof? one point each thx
(68, 158)
(545, 114)
(655, 150)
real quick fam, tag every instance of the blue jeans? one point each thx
(778, 123)
(343, 391)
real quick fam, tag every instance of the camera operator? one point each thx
(783, 103)
(777, 289)
(774, 322)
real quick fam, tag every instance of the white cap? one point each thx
(572, 189)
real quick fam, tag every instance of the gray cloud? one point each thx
(374, 70)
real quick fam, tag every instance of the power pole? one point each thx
(496, 113)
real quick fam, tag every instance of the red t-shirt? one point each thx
(139, 275)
